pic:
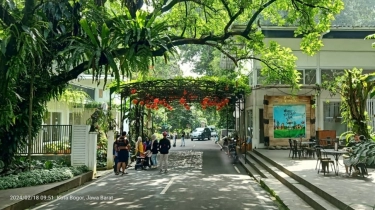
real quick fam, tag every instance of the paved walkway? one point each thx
(200, 178)
(357, 192)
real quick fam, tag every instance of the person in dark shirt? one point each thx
(164, 146)
(154, 150)
(123, 155)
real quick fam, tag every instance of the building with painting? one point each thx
(272, 114)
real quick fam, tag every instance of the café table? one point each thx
(307, 143)
(336, 154)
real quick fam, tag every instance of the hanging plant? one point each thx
(73, 97)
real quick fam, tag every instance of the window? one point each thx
(100, 93)
(330, 74)
(251, 77)
(53, 118)
(260, 79)
(332, 118)
(74, 118)
(308, 77)
(52, 133)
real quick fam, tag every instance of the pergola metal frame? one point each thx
(192, 90)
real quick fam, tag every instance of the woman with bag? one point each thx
(123, 155)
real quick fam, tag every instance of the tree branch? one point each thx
(186, 15)
(225, 4)
(174, 2)
(235, 61)
(178, 41)
(256, 15)
(310, 5)
(233, 18)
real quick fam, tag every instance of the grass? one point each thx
(295, 133)
(279, 202)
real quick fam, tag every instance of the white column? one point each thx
(92, 144)
(111, 137)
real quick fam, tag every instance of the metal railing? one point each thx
(51, 139)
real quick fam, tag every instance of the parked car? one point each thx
(213, 132)
(201, 134)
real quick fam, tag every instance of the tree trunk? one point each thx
(30, 135)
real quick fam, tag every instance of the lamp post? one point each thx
(240, 103)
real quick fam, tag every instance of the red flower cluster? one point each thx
(207, 102)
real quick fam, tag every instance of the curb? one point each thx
(54, 191)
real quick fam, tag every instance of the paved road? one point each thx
(200, 177)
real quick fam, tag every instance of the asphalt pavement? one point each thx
(200, 176)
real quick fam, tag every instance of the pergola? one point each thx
(154, 93)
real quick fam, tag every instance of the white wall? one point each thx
(335, 54)
(54, 106)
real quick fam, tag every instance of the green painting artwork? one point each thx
(289, 121)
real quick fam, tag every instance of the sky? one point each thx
(186, 68)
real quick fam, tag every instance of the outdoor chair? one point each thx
(297, 150)
(310, 150)
(323, 163)
(361, 168)
(290, 147)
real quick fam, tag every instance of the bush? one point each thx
(40, 176)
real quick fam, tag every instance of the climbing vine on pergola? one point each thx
(153, 94)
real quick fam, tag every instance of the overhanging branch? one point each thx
(232, 19)
(310, 5)
(255, 16)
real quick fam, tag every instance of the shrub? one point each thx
(40, 176)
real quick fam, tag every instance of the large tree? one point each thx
(45, 44)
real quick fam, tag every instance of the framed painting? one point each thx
(289, 121)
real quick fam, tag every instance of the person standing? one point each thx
(148, 152)
(174, 138)
(123, 155)
(115, 158)
(182, 139)
(164, 146)
(154, 150)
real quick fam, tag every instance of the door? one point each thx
(261, 126)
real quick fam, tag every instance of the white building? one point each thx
(61, 114)
(344, 48)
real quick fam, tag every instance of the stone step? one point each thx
(310, 198)
(278, 189)
(311, 186)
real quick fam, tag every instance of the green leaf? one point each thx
(105, 35)
(88, 31)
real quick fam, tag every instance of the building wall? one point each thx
(64, 110)
(336, 53)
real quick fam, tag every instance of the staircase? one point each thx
(294, 192)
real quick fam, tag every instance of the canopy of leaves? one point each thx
(53, 42)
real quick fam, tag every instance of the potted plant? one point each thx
(364, 152)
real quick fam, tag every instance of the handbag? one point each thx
(148, 153)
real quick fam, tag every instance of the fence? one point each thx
(52, 139)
